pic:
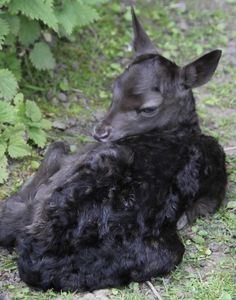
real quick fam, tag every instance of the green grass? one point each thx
(87, 67)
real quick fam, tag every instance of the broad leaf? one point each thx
(75, 13)
(14, 132)
(3, 147)
(4, 30)
(2, 2)
(7, 113)
(41, 57)
(18, 148)
(36, 10)
(29, 31)
(45, 124)
(92, 2)
(8, 84)
(19, 98)
(38, 136)
(11, 62)
(32, 111)
(13, 23)
(67, 17)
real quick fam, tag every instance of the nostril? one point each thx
(104, 134)
(101, 133)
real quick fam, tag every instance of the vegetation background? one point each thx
(53, 53)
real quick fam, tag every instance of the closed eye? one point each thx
(156, 89)
(147, 111)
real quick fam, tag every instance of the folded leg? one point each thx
(202, 181)
(16, 211)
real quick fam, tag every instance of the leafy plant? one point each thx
(21, 124)
(29, 23)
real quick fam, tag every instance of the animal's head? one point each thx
(152, 92)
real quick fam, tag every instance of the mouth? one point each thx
(100, 139)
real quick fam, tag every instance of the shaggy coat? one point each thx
(107, 215)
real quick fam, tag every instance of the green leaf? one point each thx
(11, 132)
(75, 13)
(13, 23)
(86, 14)
(8, 84)
(29, 31)
(18, 148)
(202, 233)
(231, 204)
(3, 169)
(45, 124)
(16, 131)
(36, 10)
(35, 164)
(41, 57)
(10, 61)
(38, 136)
(2, 2)
(4, 30)
(225, 296)
(93, 2)
(7, 113)
(32, 111)
(67, 16)
(198, 240)
(3, 147)
(19, 98)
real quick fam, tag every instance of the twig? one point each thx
(155, 292)
(229, 148)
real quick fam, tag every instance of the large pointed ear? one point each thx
(141, 42)
(201, 70)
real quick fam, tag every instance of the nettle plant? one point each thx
(21, 125)
(24, 27)
(25, 30)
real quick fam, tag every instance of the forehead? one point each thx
(143, 75)
(137, 78)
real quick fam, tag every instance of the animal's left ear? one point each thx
(141, 42)
(201, 70)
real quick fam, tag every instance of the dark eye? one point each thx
(147, 111)
(156, 89)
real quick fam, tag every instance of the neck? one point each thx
(188, 116)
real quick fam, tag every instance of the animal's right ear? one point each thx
(201, 70)
(141, 42)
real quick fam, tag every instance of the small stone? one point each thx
(72, 122)
(183, 25)
(55, 101)
(75, 65)
(47, 36)
(59, 125)
(88, 296)
(102, 295)
(227, 250)
(5, 297)
(50, 94)
(99, 114)
(214, 247)
(62, 97)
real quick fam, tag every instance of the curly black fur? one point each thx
(112, 219)
(107, 215)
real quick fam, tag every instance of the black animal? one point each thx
(107, 215)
